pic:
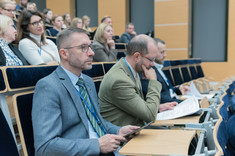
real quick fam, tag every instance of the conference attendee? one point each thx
(9, 54)
(22, 5)
(67, 20)
(8, 8)
(57, 22)
(65, 111)
(104, 45)
(32, 42)
(120, 95)
(86, 22)
(168, 93)
(31, 6)
(128, 34)
(76, 23)
(105, 19)
(48, 17)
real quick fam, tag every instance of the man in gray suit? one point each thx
(61, 120)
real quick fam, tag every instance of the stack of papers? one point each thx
(194, 92)
(187, 107)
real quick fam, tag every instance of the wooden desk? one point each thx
(178, 121)
(159, 142)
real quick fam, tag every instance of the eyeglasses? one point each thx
(151, 60)
(84, 47)
(36, 23)
(9, 10)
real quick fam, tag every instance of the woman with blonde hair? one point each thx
(76, 23)
(9, 54)
(103, 45)
(86, 22)
(67, 20)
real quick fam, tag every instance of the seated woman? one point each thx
(67, 20)
(48, 16)
(57, 22)
(9, 54)
(86, 22)
(103, 45)
(76, 23)
(32, 42)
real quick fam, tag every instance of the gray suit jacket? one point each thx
(121, 101)
(59, 119)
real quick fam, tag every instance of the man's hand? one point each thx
(127, 129)
(184, 89)
(167, 106)
(149, 73)
(110, 142)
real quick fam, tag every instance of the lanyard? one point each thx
(12, 57)
(129, 68)
(92, 110)
(40, 50)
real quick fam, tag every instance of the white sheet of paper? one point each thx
(187, 107)
(193, 91)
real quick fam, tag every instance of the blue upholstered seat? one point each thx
(2, 83)
(23, 103)
(22, 77)
(107, 66)
(97, 71)
(7, 143)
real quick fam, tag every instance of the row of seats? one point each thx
(224, 129)
(19, 82)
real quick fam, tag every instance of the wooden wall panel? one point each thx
(175, 36)
(171, 11)
(176, 54)
(118, 10)
(61, 6)
(171, 25)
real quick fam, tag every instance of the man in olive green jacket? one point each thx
(120, 95)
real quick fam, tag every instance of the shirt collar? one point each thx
(74, 78)
(158, 66)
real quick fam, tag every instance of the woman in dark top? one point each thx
(9, 54)
(57, 22)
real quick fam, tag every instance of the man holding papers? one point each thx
(120, 95)
(168, 93)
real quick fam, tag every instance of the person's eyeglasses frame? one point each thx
(151, 60)
(80, 47)
(9, 10)
(36, 23)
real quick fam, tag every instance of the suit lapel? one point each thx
(65, 80)
(128, 72)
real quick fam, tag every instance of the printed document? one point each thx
(187, 107)
(194, 92)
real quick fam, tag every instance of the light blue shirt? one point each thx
(74, 79)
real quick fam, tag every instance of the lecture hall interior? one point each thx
(199, 34)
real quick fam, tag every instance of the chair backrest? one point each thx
(53, 39)
(22, 103)
(167, 71)
(121, 47)
(25, 77)
(223, 110)
(96, 72)
(222, 136)
(108, 65)
(97, 85)
(177, 75)
(185, 73)
(2, 82)
(7, 142)
(120, 55)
